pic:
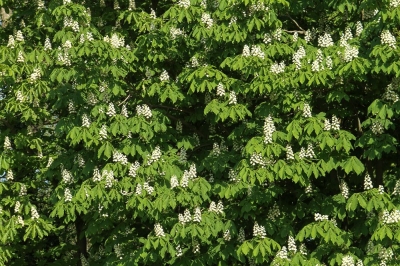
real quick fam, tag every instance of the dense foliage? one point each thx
(200, 132)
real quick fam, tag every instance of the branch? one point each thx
(127, 97)
(295, 22)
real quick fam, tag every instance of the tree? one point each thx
(199, 132)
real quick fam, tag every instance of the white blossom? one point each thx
(111, 110)
(20, 57)
(394, 3)
(241, 236)
(388, 38)
(34, 213)
(85, 121)
(11, 41)
(155, 155)
(179, 252)
(227, 235)
(347, 261)
(164, 76)
(289, 153)
(133, 169)
(138, 190)
(335, 125)
(257, 52)
(7, 143)
(344, 189)
(392, 217)
(174, 182)
(66, 176)
(17, 207)
(381, 189)
(278, 68)
(359, 28)
(159, 230)
(197, 215)
(144, 110)
(259, 231)
(149, 189)
(307, 110)
(207, 20)
(220, 90)
(184, 3)
(325, 40)
(35, 75)
(232, 98)
(20, 220)
(319, 217)
(67, 195)
(118, 157)
(19, 37)
(377, 128)
(269, 129)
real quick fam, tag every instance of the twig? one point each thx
(127, 97)
(295, 22)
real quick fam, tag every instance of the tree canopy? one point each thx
(199, 132)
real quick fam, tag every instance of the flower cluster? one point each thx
(207, 20)
(184, 3)
(278, 68)
(20, 220)
(392, 217)
(220, 90)
(179, 252)
(216, 151)
(232, 175)
(344, 189)
(118, 157)
(103, 132)
(289, 153)
(11, 41)
(88, 37)
(232, 98)
(179, 126)
(309, 188)
(7, 143)
(164, 76)
(155, 155)
(149, 189)
(109, 177)
(297, 56)
(184, 218)
(217, 208)
(175, 32)
(396, 190)
(347, 261)
(144, 110)
(159, 230)
(20, 57)
(307, 110)
(282, 254)
(174, 182)
(350, 52)
(269, 129)
(17, 207)
(197, 215)
(325, 40)
(320, 217)
(274, 212)
(257, 159)
(388, 38)
(259, 231)
(85, 121)
(22, 191)
(377, 128)
(390, 95)
(69, 22)
(227, 235)
(80, 160)
(19, 37)
(132, 5)
(277, 34)
(241, 236)
(67, 176)
(381, 189)
(67, 195)
(133, 169)
(394, 3)
(196, 247)
(257, 52)
(359, 28)
(35, 75)
(34, 213)
(292, 244)
(232, 21)
(115, 41)
(367, 182)
(63, 58)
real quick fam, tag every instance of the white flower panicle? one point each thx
(49, 162)
(144, 110)
(283, 254)
(11, 41)
(259, 231)
(396, 190)
(19, 96)
(85, 121)
(344, 189)
(149, 189)
(96, 175)
(80, 160)
(227, 235)
(197, 215)
(319, 217)
(17, 207)
(381, 189)
(69, 22)
(184, 3)
(67, 195)
(67, 176)
(183, 155)
(164, 76)
(295, 36)
(109, 177)
(297, 56)
(103, 132)
(359, 28)
(34, 213)
(278, 68)
(115, 41)
(388, 38)
(392, 217)
(20, 57)
(36, 75)
(232, 98)
(196, 247)
(367, 182)
(133, 168)
(303, 249)
(309, 189)
(292, 244)
(350, 52)
(111, 110)
(377, 128)
(175, 32)
(207, 20)
(302, 153)
(269, 129)
(132, 5)
(118, 157)
(394, 3)
(307, 110)
(22, 191)
(277, 34)
(216, 151)
(289, 153)
(232, 175)
(179, 126)
(267, 38)
(116, 5)
(329, 62)
(232, 21)
(310, 152)
(20, 220)
(241, 236)
(325, 40)
(138, 190)
(257, 52)
(124, 111)
(347, 261)
(155, 155)
(153, 14)
(335, 125)
(220, 90)
(66, 2)
(174, 182)
(246, 51)
(159, 231)
(19, 37)
(257, 159)
(179, 252)
(7, 143)
(274, 212)
(64, 58)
